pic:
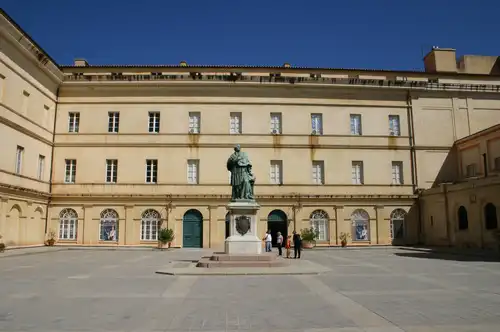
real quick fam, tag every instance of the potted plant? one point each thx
(343, 239)
(51, 239)
(165, 237)
(2, 245)
(308, 235)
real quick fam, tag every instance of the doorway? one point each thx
(228, 225)
(277, 222)
(192, 229)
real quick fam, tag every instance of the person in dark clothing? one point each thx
(297, 244)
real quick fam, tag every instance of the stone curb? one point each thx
(485, 254)
(233, 273)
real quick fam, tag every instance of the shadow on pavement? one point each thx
(450, 256)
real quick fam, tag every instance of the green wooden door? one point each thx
(192, 229)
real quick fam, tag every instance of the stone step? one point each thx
(243, 257)
(208, 263)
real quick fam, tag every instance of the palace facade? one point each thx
(105, 155)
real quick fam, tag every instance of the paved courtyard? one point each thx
(381, 290)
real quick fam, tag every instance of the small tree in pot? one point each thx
(343, 239)
(165, 237)
(51, 238)
(309, 236)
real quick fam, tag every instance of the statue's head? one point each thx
(237, 148)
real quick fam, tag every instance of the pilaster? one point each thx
(4, 201)
(126, 227)
(379, 231)
(87, 224)
(213, 231)
(341, 225)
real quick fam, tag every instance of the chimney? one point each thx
(441, 60)
(81, 63)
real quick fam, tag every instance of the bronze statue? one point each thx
(242, 177)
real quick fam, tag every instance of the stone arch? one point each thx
(108, 225)
(490, 216)
(360, 225)
(463, 219)
(150, 218)
(68, 224)
(277, 221)
(192, 229)
(11, 229)
(398, 224)
(17, 207)
(320, 221)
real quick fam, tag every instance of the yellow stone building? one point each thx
(100, 154)
(463, 207)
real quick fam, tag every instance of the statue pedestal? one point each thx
(243, 238)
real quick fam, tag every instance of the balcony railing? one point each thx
(234, 78)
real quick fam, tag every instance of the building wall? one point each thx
(440, 215)
(28, 96)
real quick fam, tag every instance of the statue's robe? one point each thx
(239, 165)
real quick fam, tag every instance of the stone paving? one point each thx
(381, 290)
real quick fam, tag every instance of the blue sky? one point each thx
(376, 34)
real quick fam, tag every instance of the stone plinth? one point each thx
(243, 238)
(241, 260)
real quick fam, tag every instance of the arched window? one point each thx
(398, 224)
(361, 225)
(68, 224)
(490, 216)
(463, 220)
(149, 225)
(320, 221)
(109, 225)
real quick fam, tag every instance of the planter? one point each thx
(51, 242)
(307, 244)
(2, 247)
(343, 244)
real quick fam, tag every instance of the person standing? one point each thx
(279, 241)
(297, 244)
(268, 239)
(288, 245)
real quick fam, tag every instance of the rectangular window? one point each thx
(68, 228)
(397, 172)
(111, 170)
(194, 122)
(276, 172)
(394, 128)
(73, 122)
(41, 167)
(113, 122)
(70, 171)
(357, 172)
(154, 122)
(19, 159)
(356, 124)
(316, 124)
(275, 123)
(318, 172)
(471, 170)
(192, 171)
(151, 171)
(235, 123)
